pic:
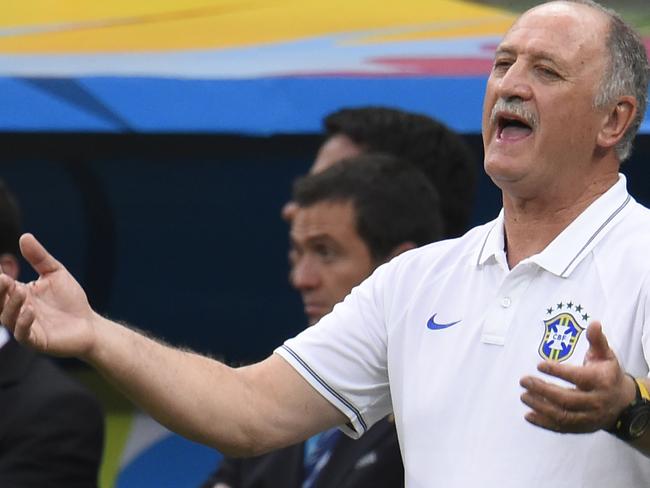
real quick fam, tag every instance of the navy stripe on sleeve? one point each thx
(322, 382)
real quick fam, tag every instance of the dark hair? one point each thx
(440, 153)
(394, 202)
(10, 221)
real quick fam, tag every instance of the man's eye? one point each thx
(325, 252)
(501, 65)
(547, 72)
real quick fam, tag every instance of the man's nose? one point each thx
(289, 210)
(515, 83)
(304, 274)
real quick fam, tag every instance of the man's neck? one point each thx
(531, 225)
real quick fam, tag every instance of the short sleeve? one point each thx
(344, 355)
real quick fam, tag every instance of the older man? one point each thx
(444, 335)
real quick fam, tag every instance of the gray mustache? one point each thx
(516, 107)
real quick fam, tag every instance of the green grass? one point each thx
(639, 19)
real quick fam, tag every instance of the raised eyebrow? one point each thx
(535, 56)
(503, 50)
(545, 56)
(311, 240)
(320, 239)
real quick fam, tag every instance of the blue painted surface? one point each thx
(263, 106)
(254, 107)
(171, 462)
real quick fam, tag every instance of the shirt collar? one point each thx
(568, 249)
(494, 243)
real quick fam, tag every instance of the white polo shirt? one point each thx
(441, 336)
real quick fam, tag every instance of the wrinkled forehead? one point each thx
(576, 17)
(561, 29)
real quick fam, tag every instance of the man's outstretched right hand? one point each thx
(51, 314)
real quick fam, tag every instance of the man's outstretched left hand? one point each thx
(601, 390)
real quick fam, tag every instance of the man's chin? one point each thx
(313, 319)
(315, 312)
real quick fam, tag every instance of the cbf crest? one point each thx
(562, 330)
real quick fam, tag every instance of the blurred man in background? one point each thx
(334, 258)
(348, 219)
(51, 429)
(440, 153)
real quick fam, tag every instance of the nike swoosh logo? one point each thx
(433, 325)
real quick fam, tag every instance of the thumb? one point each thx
(598, 345)
(36, 255)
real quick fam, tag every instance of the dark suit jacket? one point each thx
(373, 461)
(51, 429)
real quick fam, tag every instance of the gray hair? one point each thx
(626, 74)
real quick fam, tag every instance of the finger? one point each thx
(23, 328)
(550, 423)
(540, 406)
(598, 345)
(34, 252)
(540, 420)
(15, 300)
(6, 284)
(576, 375)
(563, 398)
(552, 416)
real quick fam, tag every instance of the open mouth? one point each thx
(512, 128)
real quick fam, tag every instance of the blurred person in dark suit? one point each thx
(51, 428)
(439, 152)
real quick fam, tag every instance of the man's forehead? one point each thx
(562, 11)
(324, 218)
(556, 30)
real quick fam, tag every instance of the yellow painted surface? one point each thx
(119, 417)
(76, 26)
(484, 26)
(118, 426)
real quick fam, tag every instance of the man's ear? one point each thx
(400, 248)
(10, 265)
(618, 120)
